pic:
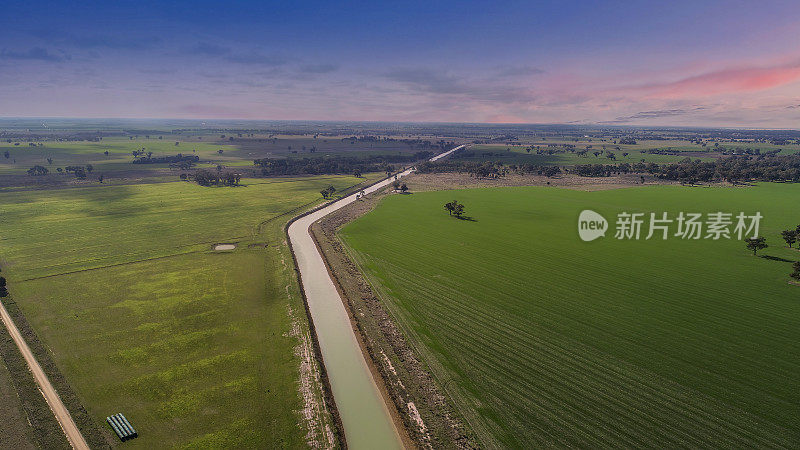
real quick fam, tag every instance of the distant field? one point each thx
(517, 154)
(117, 167)
(142, 317)
(542, 339)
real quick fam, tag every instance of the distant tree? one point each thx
(458, 209)
(356, 172)
(89, 168)
(2, 282)
(403, 188)
(101, 178)
(396, 185)
(184, 176)
(7, 154)
(219, 151)
(49, 160)
(59, 169)
(796, 273)
(105, 152)
(755, 244)
(38, 170)
(231, 179)
(328, 192)
(454, 208)
(177, 143)
(790, 236)
(80, 173)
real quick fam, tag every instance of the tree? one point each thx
(37, 170)
(396, 185)
(356, 172)
(219, 151)
(328, 191)
(101, 178)
(105, 152)
(49, 160)
(790, 236)
(755, 244)
(796, 273)
(454, 208)
(2, 282)
(7, 154)
(458, 209)
(403, 188)
(89, 168)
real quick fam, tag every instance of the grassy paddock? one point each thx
(541, 338)
(142, 317)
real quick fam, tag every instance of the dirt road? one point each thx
(74, 435)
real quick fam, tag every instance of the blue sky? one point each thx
(668, 63)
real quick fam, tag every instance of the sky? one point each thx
(679, 63)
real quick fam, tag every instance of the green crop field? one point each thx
(543, 339)
(195, 347)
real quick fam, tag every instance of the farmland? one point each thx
(542, 339)
(196, 347)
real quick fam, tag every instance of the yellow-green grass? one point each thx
(541, 338)
(195, 347)
(57, 231)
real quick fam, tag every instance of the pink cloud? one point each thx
(728, 81)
